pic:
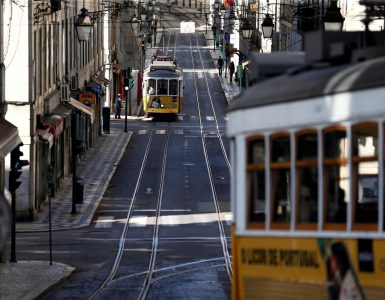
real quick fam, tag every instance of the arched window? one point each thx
(336, 177)
(307, 179)
(365, 175)
(256, 181)
(280, 181)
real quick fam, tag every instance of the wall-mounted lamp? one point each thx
(232, 17)
(333, 20)
(83, 25)
(267, 27)
(247, 30)
(217, 5)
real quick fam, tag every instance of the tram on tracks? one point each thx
(308, 194)
(163, 86)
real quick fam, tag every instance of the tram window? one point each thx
(280, 178)
(335, 144)
(162, 87)
(336, 177)
(256, 180)
(281, 149)
(174, 87)
(365, 173)
(307, 179)
(151, 86)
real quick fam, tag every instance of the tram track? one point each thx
(225, 249)
(122, 241)
(151, 274)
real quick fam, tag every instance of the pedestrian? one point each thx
(220, 65)
(118, 107)
(231, 69)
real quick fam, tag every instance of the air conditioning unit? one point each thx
(74, 83)
(64, 93)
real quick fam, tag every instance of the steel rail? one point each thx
(212, 185)
(154, 249)
(122, 239)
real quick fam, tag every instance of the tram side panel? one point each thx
(308, 268)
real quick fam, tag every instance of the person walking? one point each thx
(118, 107)
(220, 65)
(231, 69)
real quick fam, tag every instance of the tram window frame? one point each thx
(308, 163)
(255, 167)
(151, 83)
(173, 90)
(359, 161)
(162, 83)
(341, 162)
(279, 166)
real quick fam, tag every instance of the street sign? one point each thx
(187, 27)
(5, 219)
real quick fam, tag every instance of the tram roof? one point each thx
(161, 73)
(307, 83)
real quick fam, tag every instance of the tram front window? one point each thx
(162, 87)
(151, 86)
(174, 87)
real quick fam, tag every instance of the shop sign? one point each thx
(87, 98)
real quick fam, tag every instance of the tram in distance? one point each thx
(308, 152)
(163, 86)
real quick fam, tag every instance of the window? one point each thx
(162, 87)
(256, 180)
(151, 86)
(174, 87)
(307, 179)
(336, 178)
(365, 174)
(280, 180)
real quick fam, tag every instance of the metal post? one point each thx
(50, 229)
(125, 111)
(74, 157)
(129, 101)
(13, 228)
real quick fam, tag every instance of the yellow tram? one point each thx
(308, 191)
(163, 86)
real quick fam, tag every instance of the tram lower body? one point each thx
(162, 105)
(307, 268)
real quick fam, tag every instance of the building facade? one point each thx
(47, 72)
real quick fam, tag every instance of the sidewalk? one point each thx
(29, 279)
(231, 90)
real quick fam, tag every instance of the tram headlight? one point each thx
(162, 105)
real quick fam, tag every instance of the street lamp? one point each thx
(247, 30)
(232, 17)
(217, 4)
(333, 20)
(83, 25)
(267, 27)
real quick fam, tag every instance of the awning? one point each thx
(83, 108)
(54, 124)
(45, 136)
(9, 137)
(64, 112)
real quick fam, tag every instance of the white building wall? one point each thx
(354, 13)
(16, 41)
